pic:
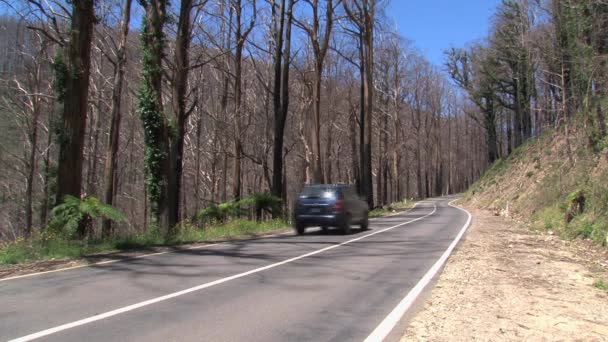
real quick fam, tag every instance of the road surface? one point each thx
(316, 287)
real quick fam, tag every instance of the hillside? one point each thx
(515, 277)
(554, 190)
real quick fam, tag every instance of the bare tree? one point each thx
(74, 94)
(282, 22)
(119, 64)
(179, 91)
(362, 13)
(241, 33)
(319, 33)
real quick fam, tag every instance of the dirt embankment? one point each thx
(506, 282)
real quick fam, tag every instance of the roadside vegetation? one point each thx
(63, 237)
(47, 246)
(540, 87)
(391, 208)
(567, 195)
(601, 284)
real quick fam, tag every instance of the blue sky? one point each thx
(436, 25)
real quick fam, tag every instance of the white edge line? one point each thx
(137, 257)
(393, 318)
(161, 253)
(118, 311)
(400, 212)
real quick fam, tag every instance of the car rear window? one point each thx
(320, 191)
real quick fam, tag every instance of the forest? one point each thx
(133, 116)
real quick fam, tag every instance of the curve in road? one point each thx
(314, 287)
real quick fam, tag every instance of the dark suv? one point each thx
(330, 205)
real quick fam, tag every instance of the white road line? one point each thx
(387, 325)
(161, 253)
(119, 311)
(401, 212)
(133, 257)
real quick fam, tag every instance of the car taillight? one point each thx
(339, 206)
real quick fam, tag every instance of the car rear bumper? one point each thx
(320, 220)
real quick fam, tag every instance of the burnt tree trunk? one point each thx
(78, 62)
(179, 90)
(240, 37)
(116, 116)
(282, 56)
(153, 39)
(29, 186)
(320, 43)
(368, 94)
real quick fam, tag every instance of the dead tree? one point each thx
(116, 114)
(282, 22)
(319, 39)
(74, 95)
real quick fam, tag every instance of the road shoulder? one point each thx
(43, 266)
(506, 282)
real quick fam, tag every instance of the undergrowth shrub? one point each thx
(549, 218)
(220, 213)
(48, 245)
(261, 202)
(74, 213)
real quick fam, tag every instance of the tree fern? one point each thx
(220, 212)
(262, 201)
(68, 216)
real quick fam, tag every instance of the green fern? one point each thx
(233, 209)
(262, 202)
(230, 208)
(67, 217)
(209, 214)
(219, 212)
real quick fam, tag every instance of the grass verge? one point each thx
(47, 246)
(383, 211)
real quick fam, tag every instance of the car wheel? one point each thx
(365, 222)
(300, 229)
(346, 226)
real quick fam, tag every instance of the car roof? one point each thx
(337, 185)
(326, 187)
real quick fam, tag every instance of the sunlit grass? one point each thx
(383, 211)
(48, 246)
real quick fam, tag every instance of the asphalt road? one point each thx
(316, 287)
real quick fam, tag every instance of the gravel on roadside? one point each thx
(506, 282)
